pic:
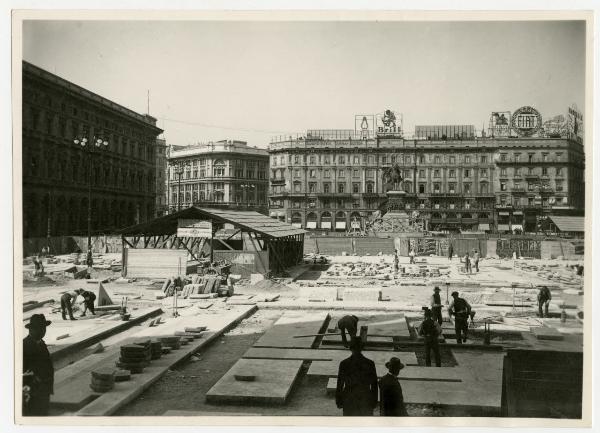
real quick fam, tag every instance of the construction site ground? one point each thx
(503, 293)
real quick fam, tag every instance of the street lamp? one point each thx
(247, 187)
(179, 169)
(98, 143)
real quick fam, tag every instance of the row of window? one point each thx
(530, 157)
(532, 186)
(214, 196)
(313, 203)
(505, 200)
(356, 188)
(192, 171)
(327, 159)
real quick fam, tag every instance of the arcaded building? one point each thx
(56, 170)
(452, 179)
(226, 173)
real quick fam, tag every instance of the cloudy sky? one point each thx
(254, 80)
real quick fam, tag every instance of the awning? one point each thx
(518, 212)
(325, 224)
(273, 214)
(340, 225)
(503, 213)
(281, 214)
(517, 227)
(297, 225)
(502, 227)
(311, 224)
(483, 227)
(569, 223)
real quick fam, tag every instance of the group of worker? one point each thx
(67, 301)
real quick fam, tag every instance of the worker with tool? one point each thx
(461, 310)
(38, 371)
(348, 323)
(67, 300)
(88, 302)
(544, 297)
(431, 330)
(356, 391)
(436, 305)
(391, 400)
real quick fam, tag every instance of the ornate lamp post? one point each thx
(179, 169)
(98, 143)
(247, 187)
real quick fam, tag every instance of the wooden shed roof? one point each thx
(247, 220)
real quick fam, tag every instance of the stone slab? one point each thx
(319, 293)
(71, 390)
(361, 294)
(273, 383)
(545, 333)
(408, 358)
(410, 372)
(293, 323)
(206, 413)
(380, 325)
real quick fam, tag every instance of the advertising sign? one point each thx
(194, 229)
(389, 123)
(500, 124)
(575, 123)
(364, 125)
(526, 121)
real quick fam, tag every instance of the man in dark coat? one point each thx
(348, 323)
(356, 391)
(450, 251)
(544, 297)
(436, 305)
(38, 371)
(391, 402)
(461, 310)
(430, 331)
(88, 302)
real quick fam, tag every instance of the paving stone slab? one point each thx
(408, 358)
(546, 333)
(293, 323)
(206, 413)
(272, 385)
(410, 372)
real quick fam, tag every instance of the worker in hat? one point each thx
(348, 323)
(544, 297)
(436, 305)
(431, 330)
(391, 401)
(67, 301)
(356, 391)
(38, 371)
(461, 310)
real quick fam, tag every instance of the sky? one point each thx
(254, 80)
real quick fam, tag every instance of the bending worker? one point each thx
(88, 302)
(67, 301)
(350, 324)
(544, 297)
(461, 310)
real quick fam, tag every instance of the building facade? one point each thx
(226, 173)
(477, 184)
(57, 171)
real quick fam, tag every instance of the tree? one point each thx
(393, 175)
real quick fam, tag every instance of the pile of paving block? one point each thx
(202, 285)
(553, 272)
(103, 380)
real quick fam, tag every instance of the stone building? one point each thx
(226, 173)
(56, 170)
(335, 181)
(161, 177)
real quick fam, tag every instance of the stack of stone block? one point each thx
(103, 380)
(172, 342)
(135, 357)
(155, 349)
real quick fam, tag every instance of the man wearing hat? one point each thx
(38, 371)
(67, 301)
(461, 310)
(391, 402)
(430, 330)
(436, 305)
(348, 323)
(356, 391)
(88, 302)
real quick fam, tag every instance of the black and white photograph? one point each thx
(257, 216)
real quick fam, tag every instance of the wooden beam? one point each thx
(225, 243)
(258, 254)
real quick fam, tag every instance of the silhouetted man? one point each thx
(461, 310)
(391, 402)
(436, 305)
(348, 323)
(356, 391)
(38, 371)
(430, 331)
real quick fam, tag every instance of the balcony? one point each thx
(527, 161)
(518, 190)
(546, 190)
(279, 194)
(532, 177)
(277, 180)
